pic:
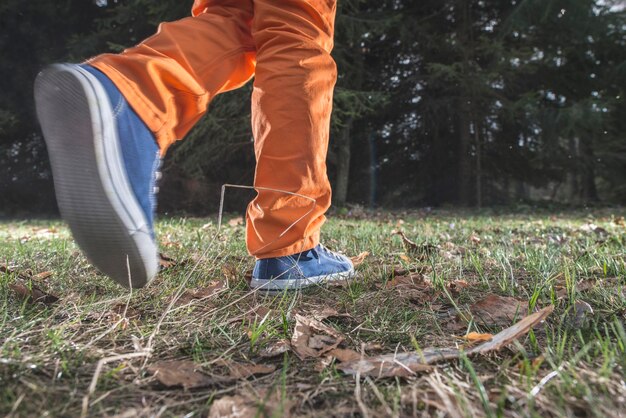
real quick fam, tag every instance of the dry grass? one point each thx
(93, 351)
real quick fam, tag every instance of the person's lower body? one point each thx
(105, 121)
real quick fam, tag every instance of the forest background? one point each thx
(464, 103)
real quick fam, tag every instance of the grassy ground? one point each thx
(95, 350)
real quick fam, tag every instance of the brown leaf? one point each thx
(411, 280)
(497, 310)
(7, 269)
(344, 354)
(358, 260)
(477, 337)
(45, 232)
(200, 294)
(406, 364)
(475, 239)
(166, 262)
(233, 407)
(457, 285)
(180, 373)
(41, 276)
(311, 338)
(275, 349)
(32, 293)
(236, 221)
(263, 403)
(419, 251)
(327, 312)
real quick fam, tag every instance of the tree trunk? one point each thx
(343, 165)
(589, 192)
(479, 169)
(373, 170)
(464, 173)
(572, 176)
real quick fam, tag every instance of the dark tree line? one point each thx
(466, 102)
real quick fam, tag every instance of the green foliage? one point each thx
(437, 102)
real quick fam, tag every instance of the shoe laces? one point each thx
(157, 176)
(330, 253)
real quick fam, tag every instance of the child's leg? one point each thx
(291, 106)
(101, 131)
(170, 78)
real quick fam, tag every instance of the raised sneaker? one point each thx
(105, 164)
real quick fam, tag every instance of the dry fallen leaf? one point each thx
(180, 373)
(32, 293)
(406, 364)
(311, 338)
(275, 349)
(419, 251)
(166, 261)
(327, 312)
(200, 294)
(262, 403)
(410, 280)
(41, 276)
(497, 310)
(344, 354)
(358, 260)
(477, 337)
(457, 285)
(236, 221)
(233, 407)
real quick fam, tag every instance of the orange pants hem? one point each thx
(303, 245)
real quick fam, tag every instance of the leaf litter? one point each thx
(25, 287)
(408, 363)
(189, 375)
(497, 310)
(312, 338)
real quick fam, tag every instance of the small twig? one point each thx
(535, 391)
(357, 395)
(380, 397)
(269, 189)
(96, 375)
(17, 404)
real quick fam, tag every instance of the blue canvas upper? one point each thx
(138, 145)
(318, 261)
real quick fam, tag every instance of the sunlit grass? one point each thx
(572, 365)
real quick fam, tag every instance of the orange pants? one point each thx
(170, 78)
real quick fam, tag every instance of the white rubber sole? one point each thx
(294, 284)
(93, 193)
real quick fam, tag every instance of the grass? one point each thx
(573, 365)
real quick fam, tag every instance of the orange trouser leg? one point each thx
(170, 78)
(291, 106)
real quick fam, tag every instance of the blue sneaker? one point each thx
(105, 163)
(315, 266)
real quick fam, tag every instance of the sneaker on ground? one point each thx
(105, 164)
(316, 266)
